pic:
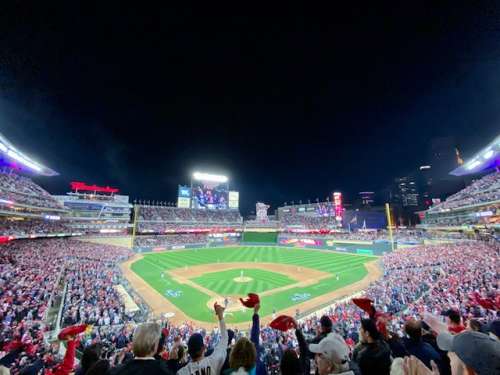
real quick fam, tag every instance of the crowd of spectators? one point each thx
(33, 273)
(31, 227)
(399, 235)
(155, 227)
(171, 240)
(309, 221)
(459, 281)
(486, 189)
(92, 272)
(16, 189)
(187, 215)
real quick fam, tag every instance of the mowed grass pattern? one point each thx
(194, 302)
(222, 282)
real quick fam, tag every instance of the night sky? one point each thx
(292, 103)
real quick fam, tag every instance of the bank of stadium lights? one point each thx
(473, 164)
(16, 155)
(200, 176)
(488, 154)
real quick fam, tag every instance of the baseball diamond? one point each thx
(187, 282)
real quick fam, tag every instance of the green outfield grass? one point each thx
(222, 282)
(193, 302)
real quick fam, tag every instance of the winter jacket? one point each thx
(374, 358)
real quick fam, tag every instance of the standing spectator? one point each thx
(175, 364)
(417, 347)
(471, 352)
(145, 345)
(91, 354)
(325, 329)
(332, 356)
(196, 348)
(255, 338)
(372, 354)
(242, 358)
(230, 337)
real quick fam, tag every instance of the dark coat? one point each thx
(373, 358)
(142, 367)
(423, 351)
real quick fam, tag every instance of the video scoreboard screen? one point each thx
(210, 195)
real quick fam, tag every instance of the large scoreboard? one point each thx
(210, 195)
(209, 192)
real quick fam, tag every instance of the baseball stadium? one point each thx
(93, 267)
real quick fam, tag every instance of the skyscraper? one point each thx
(406, 192)
(425, 186)
(367, 198)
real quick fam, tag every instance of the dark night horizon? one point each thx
(290, 105)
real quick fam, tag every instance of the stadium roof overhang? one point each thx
(487, 158)
(16, 159)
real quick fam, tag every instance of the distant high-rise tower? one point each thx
(406, 191)
(425, 183)
(367, 198)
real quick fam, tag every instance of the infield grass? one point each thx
(193, 301)
(223, 283)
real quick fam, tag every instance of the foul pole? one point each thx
(389, 224)
(136, 212)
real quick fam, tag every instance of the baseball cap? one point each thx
(475, 349)
(332, 347)
(195, 343)
(326, 322)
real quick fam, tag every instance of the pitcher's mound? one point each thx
(243, 279)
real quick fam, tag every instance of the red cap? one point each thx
(251, 301)
(365, 304)
(283, 323)
(72, 331)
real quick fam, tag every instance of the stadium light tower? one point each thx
(200, 176)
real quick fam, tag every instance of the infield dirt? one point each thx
(304, 276)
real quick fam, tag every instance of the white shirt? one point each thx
(212, 364)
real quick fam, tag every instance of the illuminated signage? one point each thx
(337, 203)
(234, 199)
(183, 202)
(82, 186)
(184, 191)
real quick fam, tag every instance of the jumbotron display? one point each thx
(210, 195)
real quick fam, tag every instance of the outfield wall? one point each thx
(148, 249)
(260, 238)
(354, 247)
(377, 248)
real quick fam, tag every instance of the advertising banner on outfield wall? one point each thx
(301, 242)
